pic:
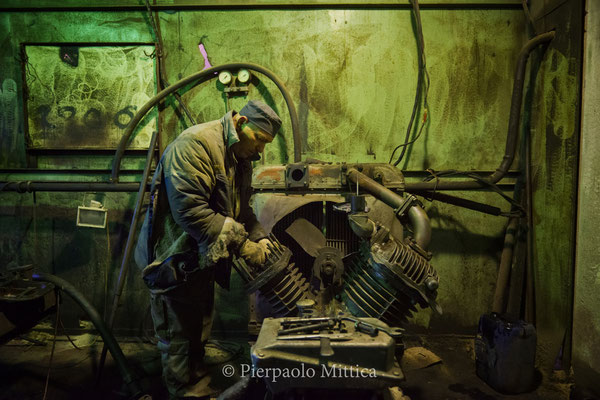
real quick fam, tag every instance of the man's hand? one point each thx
(264, 243)
(232, 236)
(254, 253)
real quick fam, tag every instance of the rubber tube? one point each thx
(513, 127)
(107, 337)
(416, 215)
(207, 73)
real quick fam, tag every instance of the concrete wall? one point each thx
(352, 72)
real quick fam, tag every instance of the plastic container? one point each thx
(505, 353)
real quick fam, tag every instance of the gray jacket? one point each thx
(197, 183)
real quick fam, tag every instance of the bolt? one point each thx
(432, 284)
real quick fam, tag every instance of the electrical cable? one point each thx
(62, 326)
(422, 79)
(53, 345)
(161, 71)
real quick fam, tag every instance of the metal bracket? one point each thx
(296, 175)
(408, 203)
(236, 90)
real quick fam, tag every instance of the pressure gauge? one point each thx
(225, 77)
(243, 75)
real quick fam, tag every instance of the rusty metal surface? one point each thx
(326, 176)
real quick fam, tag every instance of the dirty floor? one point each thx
(436, 368)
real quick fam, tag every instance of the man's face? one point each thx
(252, 141)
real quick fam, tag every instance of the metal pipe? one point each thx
(107, 337)
(513, 127)
(30, 186)
(416, 215)
(499, 305)
(460, 202)
(207, 74)
(130, 243)
(421, 226)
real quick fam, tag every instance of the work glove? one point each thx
(254, 253)
(265, 244)
(232, 236)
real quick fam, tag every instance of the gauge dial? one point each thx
(225, 77)
(243, 75)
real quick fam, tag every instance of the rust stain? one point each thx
(269, 174)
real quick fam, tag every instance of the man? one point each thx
(198, 218)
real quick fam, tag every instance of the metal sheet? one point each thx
(85, 99)
(307, 235)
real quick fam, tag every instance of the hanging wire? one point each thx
(159, 53)
(53, 344)
(422, 80)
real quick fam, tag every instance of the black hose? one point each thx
(207, 73)
(464, 203)
(513, 128)
(109, 340)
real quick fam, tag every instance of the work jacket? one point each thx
(197, 183)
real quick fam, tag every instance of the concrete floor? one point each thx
(24, 365)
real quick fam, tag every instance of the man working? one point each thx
(198, 218)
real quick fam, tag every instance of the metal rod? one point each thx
(129, 245)
(499, 305)
(30, 186)
(457, 201)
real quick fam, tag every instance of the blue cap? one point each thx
(262, 116)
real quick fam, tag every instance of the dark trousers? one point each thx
(182, 316)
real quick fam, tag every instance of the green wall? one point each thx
(352, 73)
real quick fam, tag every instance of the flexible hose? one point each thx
(107, 337)
(207, 73)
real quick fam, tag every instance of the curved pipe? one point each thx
(416, 215)
(107, 337)
(207, 73)
(513, 127)
(421, 226)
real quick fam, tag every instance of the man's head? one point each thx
(256, 125)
